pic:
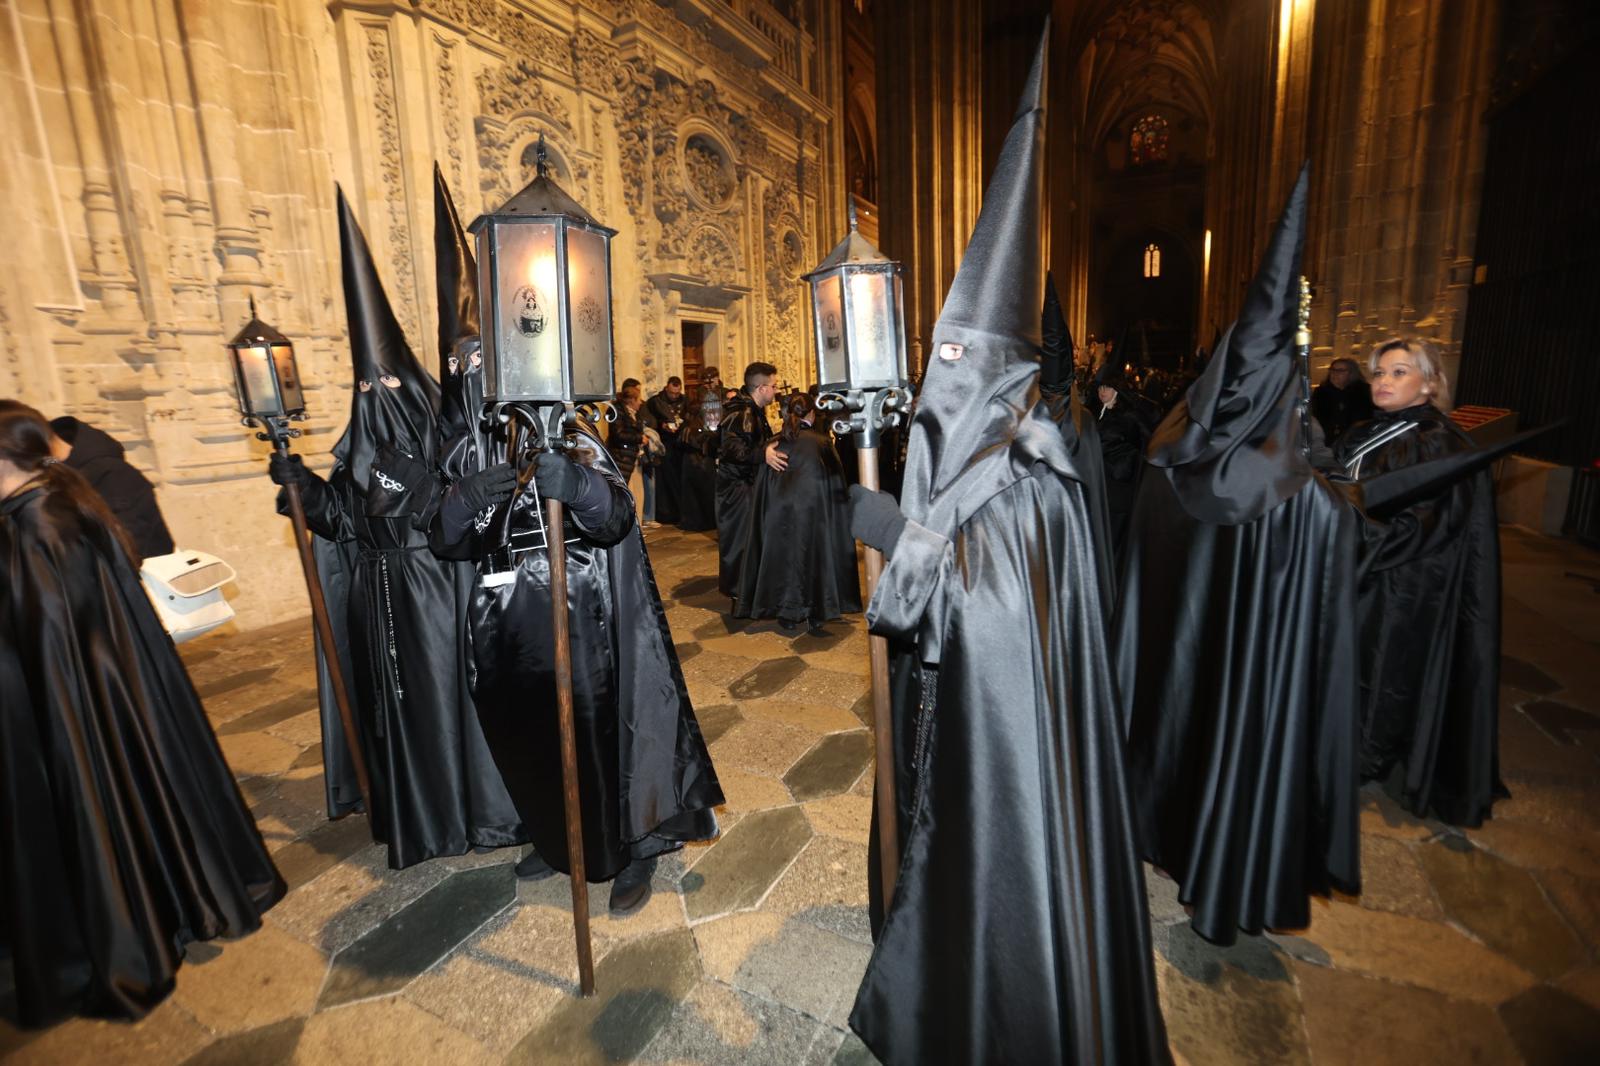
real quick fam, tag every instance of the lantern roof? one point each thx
(540, 197)
(854, 250)
(256, 332)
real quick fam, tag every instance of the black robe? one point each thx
(644, 776)
(697, 482)
(668, 416)
(123, 835)
(1336, 409)
(1430, 627)
(743, 437)
(800, 558)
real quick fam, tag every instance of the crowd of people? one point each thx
(1117, 634)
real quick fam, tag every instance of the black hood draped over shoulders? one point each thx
(1231, 446)
(404, 417)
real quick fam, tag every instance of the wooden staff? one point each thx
(324, 628)
(882, 726)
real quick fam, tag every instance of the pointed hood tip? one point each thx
(1033, 89)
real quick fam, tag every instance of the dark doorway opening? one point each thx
(694, 353)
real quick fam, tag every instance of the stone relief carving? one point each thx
(447, 77)
(710, 255)
(386, 117)
(709, 171)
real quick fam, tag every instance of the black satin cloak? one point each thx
(697, 483)
(801, 559)
(1019, 930)
(1237, 660)
(1430, 627)
(1081, 431)
(123, 835)
(742, 440)
(645, 779)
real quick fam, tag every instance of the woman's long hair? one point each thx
(796, 409)
(1428, 363)
(25, 441)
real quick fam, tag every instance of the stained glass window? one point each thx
(1152, 260)
(1148, 141)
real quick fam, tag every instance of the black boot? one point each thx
(534, 868)
(631, 889)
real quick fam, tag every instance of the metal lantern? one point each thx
(858, 310)
(264, 372)
(544, 278)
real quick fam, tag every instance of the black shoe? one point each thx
(534, 868)
(788, 625)
(632, 887)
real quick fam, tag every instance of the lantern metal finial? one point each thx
(850, 210)
(541, 158)
(253, 306)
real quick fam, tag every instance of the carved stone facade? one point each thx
(164, 164)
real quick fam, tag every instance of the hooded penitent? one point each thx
(460, 364)
(1235, 639)
(1018, 930)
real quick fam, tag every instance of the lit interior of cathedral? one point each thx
(1231, 210)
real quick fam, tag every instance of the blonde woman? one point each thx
(1429, 603)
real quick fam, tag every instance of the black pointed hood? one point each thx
(1056, 348)
(979, 396)
(1231, 446)
(402, 417)
(456, 277)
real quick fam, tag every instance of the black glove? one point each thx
(288, 469)
(875, 519)
(476, 492)
(558, 477)
(392, 467)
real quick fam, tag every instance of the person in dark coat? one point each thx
(1123, 426)
(625, 440)
(1019, 929)
(742, 447)
(1429, 604)
(800, 560)
(123, 836)
(1343, 399)
(104, 465)
(697, 485)
(406, 680)
(667, 410)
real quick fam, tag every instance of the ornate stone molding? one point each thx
(386, 118)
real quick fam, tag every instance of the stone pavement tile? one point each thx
(309, 759)
(348, 901)
(1559, 800)
(720, 1026)
(717, 622)
(302, 730)
(824, 686)
(688, 650)
(638, 987)
(817, 719)
(1525, 748)
(769, 677)
(167, 1034)
(1358, 1021)
(840, 633)
(1551, 1028)
(1161, 892)
(384, 1031)
(862, 708)
(266, 1046)
(718, 668)
(1564, 723)
(725, 943)
(1413, 951)
(745, 791)
(763, 645)
(1578, 900)
(852, 1052)
(705, 693)
(281, 818)
(739, 869)
(832, 766)
(826, 887)
(257, 753)
(1392, 880)
(716, 719)
(1583, 984)
(322, 849)
(405, 945)
(763, 747)
(1221, 1015)
(847, 816)
(1529, 635)
(234, 681)
(263, 978)
(1526, 677)
(1536, 847)
(1382, 816)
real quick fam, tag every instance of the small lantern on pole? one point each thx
(858, 310)
(544, 284)
(270, 396)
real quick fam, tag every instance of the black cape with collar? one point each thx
(801, 558)
(123, 836)
(1019, 929)
(742, 438)
(697, 479)
(1430, 627)
(645, 778)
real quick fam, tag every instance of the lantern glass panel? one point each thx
(294, 400)
(528, 318)
(873, 348)
(589, 290)
(258, 391)
(899, 330)
(833, 368)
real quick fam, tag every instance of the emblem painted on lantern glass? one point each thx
(590, 317)
(527, 311)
